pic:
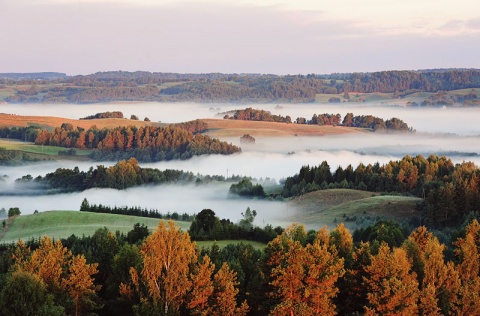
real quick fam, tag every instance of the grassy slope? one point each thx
(320, 208)
(237, 128)
(37, 149)
(62, 224)
(51, 121)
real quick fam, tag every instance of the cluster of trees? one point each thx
(207, 226)
(122, 175)
(362, 121)
(133, 211)
(321, 119)
(451, 192)
(28, 134)
(146, 143)
(375, 123)
(114, 114)
(194, 127)
(13, 211)
(14, 157)
(250, 114)
(246, 188)
(297, 273)
(114, 86)
(247, 139)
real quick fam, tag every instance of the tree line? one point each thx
(102, 115)
(146, 86)
(122, 175)
(451, 192)
(133, 211)
(297, 273)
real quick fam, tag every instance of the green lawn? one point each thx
(223, 243)
(62, 224)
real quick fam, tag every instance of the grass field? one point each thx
(62, 224)
(330, 207)
(237, 128)
(38, 149)
(223, 243)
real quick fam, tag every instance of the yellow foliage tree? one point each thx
(303, 278)
(392, 289)
(164, 280)
(79, 281)
(224, 298)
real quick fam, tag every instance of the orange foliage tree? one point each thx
(59, 270)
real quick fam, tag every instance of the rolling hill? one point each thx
(330, 207)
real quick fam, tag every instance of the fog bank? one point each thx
(433, 120)
(167, 198)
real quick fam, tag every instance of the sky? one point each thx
(238, 36)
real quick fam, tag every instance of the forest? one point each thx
(386, 272)
(217, 87)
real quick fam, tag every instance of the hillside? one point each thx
(319, 208)
(235, 128)
(52, 121)
(62, 224)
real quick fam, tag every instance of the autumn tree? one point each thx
(61, 272)
(469, 267)
(303, 277)
(163, 282)
(391, 286)
(79, 281)
(225, 293)
(202, 288)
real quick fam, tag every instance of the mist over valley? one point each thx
(452, 132)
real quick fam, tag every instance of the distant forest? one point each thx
(217, 87)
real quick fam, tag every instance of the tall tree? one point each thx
(391, 286)
(164, 280)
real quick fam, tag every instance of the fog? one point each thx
(461, 121)
(452, 131)
(167, 198)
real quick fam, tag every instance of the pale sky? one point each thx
(238, 36)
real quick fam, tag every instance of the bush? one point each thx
(13, 211)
